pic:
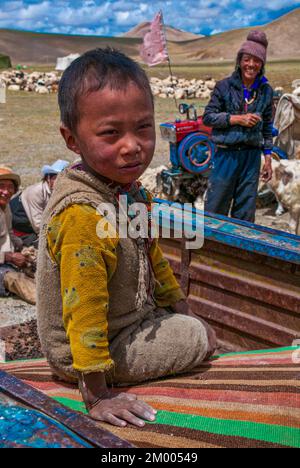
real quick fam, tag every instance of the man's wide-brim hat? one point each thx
(7, 174)
(256, 44)
(55, 169)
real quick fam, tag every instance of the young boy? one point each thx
(109, 310)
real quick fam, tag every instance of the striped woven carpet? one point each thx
(237, 400)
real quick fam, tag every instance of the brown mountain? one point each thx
(35, 48)
(283, 35)
(173, 34)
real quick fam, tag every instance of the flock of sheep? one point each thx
(180, 88)
(170, 87)
(42, 83)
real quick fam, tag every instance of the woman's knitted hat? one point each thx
(256, 44)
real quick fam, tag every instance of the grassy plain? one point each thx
(279, 73)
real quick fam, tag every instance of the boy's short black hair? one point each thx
(93, 71)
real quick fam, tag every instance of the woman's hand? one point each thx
(245, 120)
(267, 171)
(17, 259)
(121, 409)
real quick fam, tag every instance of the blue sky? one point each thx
(114, 17)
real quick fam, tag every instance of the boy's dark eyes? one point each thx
(114, 132)
(146, 125)
(108, 132)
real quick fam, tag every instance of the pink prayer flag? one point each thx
(154, 48)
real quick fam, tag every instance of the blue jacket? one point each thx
(228, 99)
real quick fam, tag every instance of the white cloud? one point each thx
(270, 5)
(114, 17)
(35, 11)
(88, 3)
(122, 17)
(143, 7)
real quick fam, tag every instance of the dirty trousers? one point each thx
(4, 268)
(21, 285)
(161, 344)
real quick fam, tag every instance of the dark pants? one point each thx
(4, 268)
(21, 223)
(233, 182)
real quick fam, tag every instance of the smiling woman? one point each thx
(240, 112)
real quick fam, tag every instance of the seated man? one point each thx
(28, 206)
(12, 280)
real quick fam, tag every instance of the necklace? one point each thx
(249, 97)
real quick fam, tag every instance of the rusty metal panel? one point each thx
(252, 300)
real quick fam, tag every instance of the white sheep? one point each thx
(149, 179)
(14, 87)
(41, 90)
(285, 184)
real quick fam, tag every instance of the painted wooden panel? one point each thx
(245, 281)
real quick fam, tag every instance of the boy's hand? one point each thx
(121, 409)
(103, 405)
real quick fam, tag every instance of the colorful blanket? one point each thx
(237, 400)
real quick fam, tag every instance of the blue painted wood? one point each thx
(243, 235)
(24, 427)
(74, 422)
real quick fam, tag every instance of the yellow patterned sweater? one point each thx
(87, 264)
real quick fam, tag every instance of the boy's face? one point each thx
(116, 132)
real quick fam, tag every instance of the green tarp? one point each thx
(5, 61)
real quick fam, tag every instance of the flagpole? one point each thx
(169, 61)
